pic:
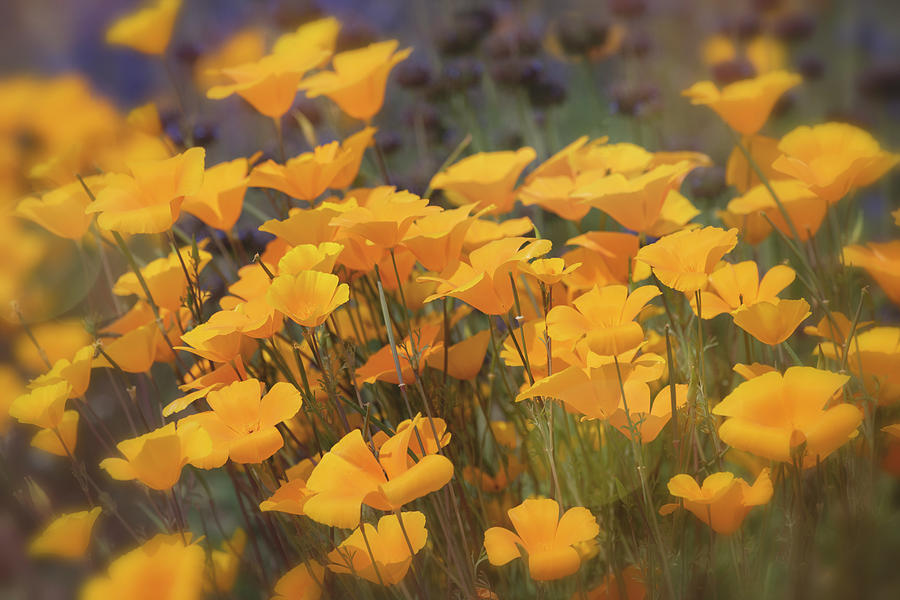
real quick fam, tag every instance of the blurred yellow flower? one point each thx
(67, 536)
(148, 30)
(359, 78)
(744, 105)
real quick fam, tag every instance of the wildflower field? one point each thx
(469, 300)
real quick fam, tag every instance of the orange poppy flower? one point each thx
(243, 423)
(292, 495)
(753, 227)
(744, 105)
(43, 406)
(805, 210)
(156, 458)
(874, 357)
(606, 257)
(833, 158)
(303, 582)
(167, 566)
(385, 483)
(220, 199)
(148, 30)
(436, 239)
(307, 298)
(61, 440)
(217, 339)
(61, 211)
(634, 201)
(676, 214)
(881, 262)
(604, 317)
(773, 415)
(386, 217)
(307, 176)
(270, 83)
(554, 194)
(149, 199)
(484, 282)
(723, 501)
(488, 179)
(738, 171)
(772, 322)
(383, 555)
(684, 260)
(483, 231)
(593, 393)
(75, 372)
(637, 418)
(359, 78)
(67, 536)
(732, 286)
(165, 278)
(247, 45)
(549, 540)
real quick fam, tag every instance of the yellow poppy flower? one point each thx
(386, 217)
(685, 259)
(548, 539)
(76, 372)
(220, 199)
(738, 171)
(243, 423)
(269, 85)
(148, 30)
(165, 567)
(303, 582)
(248, 45)
(635, 201)
(67, 536)
(359, 78)
(723, 501)
(436, 239)
(307, 298)
(744, 105)
(488, 179)
(833, 159)
(881, 262)
(383, 555)
(484, 282)
(603, 317)
(771, 322)
(149, 199)
(156, 458)
(308, 175)
(61, 440)
(874, 357)
(804, 208)
(385, 483)
(637, 418)
(774, 415)
(165, 278)
(61, 211)
(732, 286)
(43, 406)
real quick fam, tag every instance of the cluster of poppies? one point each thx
(397, 394)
